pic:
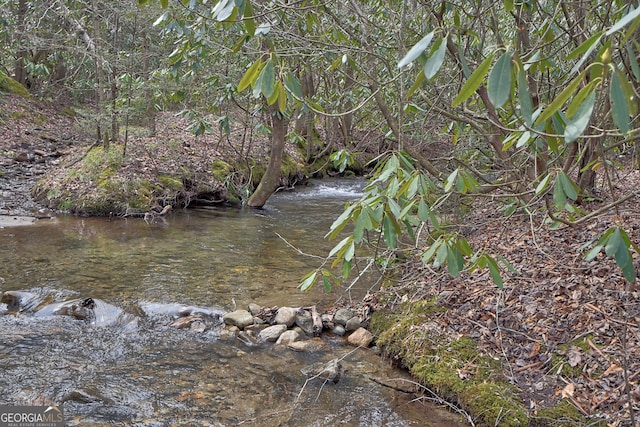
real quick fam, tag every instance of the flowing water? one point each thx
(129, 367)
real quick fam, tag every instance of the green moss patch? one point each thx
(9, 85)
(454, 368)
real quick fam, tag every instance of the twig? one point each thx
(435, 397)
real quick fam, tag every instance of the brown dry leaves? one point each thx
(563, 327)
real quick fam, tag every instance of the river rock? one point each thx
(272, 333)
(338, 330)
(305, 322)
(342, 316)
(255, 309)
(288, 337)
(361, 338)
(311, 346)
(353, 324)
(331, 371)
(239, 318)
(285, 316)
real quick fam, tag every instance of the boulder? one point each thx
(239, 318)
(361, 338)
(342, 316)
(285, 316)
(288, 337)
(272, 333)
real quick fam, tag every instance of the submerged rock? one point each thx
(313, 345)
(330, 371)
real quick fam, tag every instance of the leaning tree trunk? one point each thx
(271, 177)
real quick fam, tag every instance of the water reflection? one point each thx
(154, 375)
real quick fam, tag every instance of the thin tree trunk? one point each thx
(151, 111)
(271, 178)
(20, 74)
(114, 85)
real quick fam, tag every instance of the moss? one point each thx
(170, 182)
(455, 369)
(560, 360)
(221, 169)
(290, 166)
(9, 85)
(563, 414)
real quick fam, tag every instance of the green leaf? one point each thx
(559, 101)
(455, 263)
(423, 211)
(494, 270)
(474, 82)
(250, 75)
(578, 100)
(433, 64)
(619, 106)
(308, 280)
(559, 196)
(593, 252)
(568, 186)
(614, 242)
(268, 81)
(588, 46)
(451, 179)
(579, 122)
(293, 85)
(282, 98)
(633, 60)
(249, 22)
(340, 222)
(340, 246)
(164, 3)
(416, 85)
(543, 184)
(223, 10)
(389, 232)
(633, 14)
(416, 50)
(526, 104)
(508, 5)
(499, 84)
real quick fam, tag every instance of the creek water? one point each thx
(132, 368)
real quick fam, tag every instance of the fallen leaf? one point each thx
(568, 390)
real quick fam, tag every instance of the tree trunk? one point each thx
(150, 110)
(271, 177)
(20, 74)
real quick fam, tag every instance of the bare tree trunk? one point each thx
(20, 74)
(114, 85)
(151, 111)
(270, 179)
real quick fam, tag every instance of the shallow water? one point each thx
(140, 371)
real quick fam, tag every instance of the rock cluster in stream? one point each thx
(296, 328)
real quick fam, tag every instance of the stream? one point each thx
(130, 367)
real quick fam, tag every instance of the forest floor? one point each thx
(564, 329)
